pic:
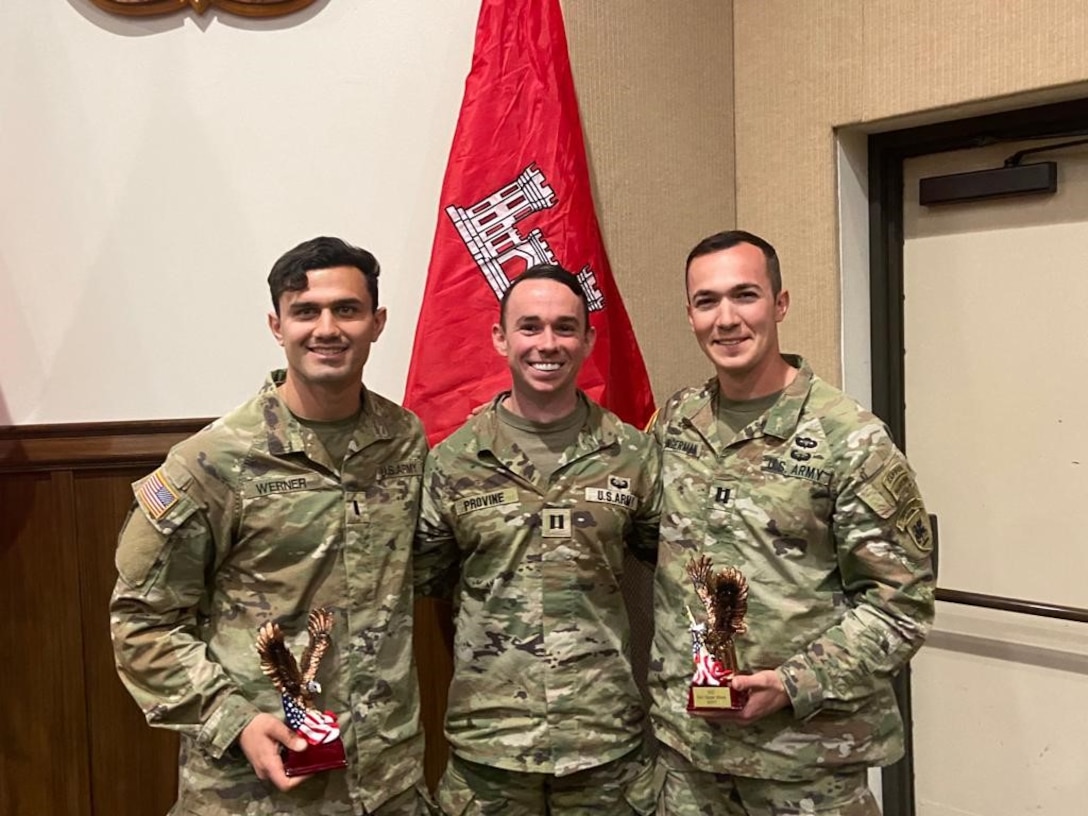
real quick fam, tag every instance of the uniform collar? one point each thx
(780, 420)
(598, 431)
(784, 416)
(287, 435)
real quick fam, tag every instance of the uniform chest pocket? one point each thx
(599, 527)
(688, 483)
(392, 503)
(288, 519)
(720, 506)
(789, 506)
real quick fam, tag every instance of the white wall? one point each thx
(152, 170)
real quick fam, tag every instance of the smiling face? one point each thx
(545, 339)
(734, 314)
(326, 331)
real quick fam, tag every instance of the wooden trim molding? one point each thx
(244, 8)
(94, 445)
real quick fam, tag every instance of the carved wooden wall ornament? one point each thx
(245, 8)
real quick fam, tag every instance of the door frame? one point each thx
(886, 154)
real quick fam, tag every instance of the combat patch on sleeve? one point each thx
(914, 521)
(893, 492)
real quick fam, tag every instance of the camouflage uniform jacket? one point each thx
(252, 522)
(819, 509)
(542, 677)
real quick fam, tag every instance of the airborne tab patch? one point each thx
(156, 495)
(897, 483)
(496, 498)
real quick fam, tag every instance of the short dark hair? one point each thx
(289, 272)
(731, 238)
(552, 272)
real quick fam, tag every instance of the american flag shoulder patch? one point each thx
(156, 495)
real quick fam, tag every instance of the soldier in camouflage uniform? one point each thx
(769, 469)
(525, 514)
(305, 496)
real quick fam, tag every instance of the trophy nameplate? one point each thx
(724, 595)
(297, 687)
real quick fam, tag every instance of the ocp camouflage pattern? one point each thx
(542, 673)
(260, 525)
(820, 511)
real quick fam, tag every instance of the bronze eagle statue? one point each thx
(725, 596)
(290, 678)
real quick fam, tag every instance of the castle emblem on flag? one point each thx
(489, 231)
(516, 194)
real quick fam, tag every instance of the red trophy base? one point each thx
(326, 756)
(709, 699)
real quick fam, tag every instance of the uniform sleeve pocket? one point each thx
(159, 512)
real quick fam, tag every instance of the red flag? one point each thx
(516, 193)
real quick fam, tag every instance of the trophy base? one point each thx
(327, 756)
(709, 699)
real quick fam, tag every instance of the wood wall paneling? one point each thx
(44, 760)
(433, 628)
(93, 445)
(130, 761)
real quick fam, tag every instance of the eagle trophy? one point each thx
(725, 596)
(298, 687)
(279, 664)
